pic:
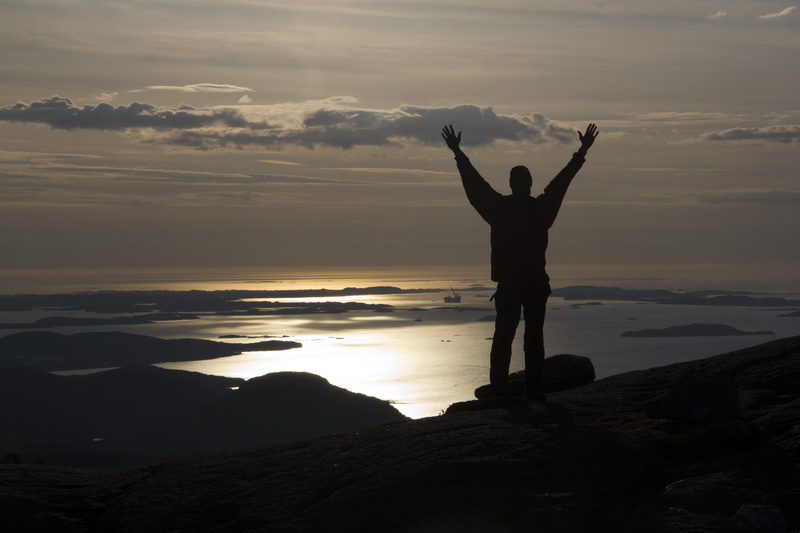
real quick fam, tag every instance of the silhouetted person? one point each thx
(519, 225)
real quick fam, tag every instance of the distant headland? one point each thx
(663, 296)
(694, 330)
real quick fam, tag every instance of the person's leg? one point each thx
(535, 307)
(507, 304)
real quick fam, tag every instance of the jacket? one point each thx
(519, 224)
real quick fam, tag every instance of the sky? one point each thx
(250, 133)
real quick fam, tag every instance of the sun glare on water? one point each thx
(361, 362)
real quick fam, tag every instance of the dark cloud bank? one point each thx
(62, 113)
(322, 125)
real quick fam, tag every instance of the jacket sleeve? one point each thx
(553, 196)
(480, 194)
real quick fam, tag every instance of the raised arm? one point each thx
(480, 194)
(557, 188)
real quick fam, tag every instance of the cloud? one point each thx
(106, 97)
(782, 133)
(280, 162)
(196, 88)
(678, 117)
(481, 125)
(778, 14)
(333, 122)
(771, 197)
(342, 126)
(245, 100)
(717, 15)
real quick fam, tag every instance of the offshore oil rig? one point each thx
(454, 299)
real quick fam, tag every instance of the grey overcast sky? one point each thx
(163, 133)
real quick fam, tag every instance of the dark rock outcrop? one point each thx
(763, 518)
(590, 460)
(559, 372)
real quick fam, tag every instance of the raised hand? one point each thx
(587, 140)
(449, 135)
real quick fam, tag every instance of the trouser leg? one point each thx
(508, 308)
(534, 311)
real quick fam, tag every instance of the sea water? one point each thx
(426, 354)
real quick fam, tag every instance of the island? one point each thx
(694, 330)
(62, 321)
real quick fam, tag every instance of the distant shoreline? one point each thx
(770, 277)
(670, 297)
(148, 307)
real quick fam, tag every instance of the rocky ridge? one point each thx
(591, 459)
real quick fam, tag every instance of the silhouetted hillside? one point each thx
(278, 407)
(54, 351)
(68, 419)
(140, 414)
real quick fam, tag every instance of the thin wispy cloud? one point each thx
(334, 122)
(779, 133)
(717, 15)
(395, 171)
(677, 117)
(54, 179)
(770, 197)
(196, 88)
(280, 162)
(779, 14)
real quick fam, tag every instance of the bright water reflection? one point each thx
(423, 361)
(420, 369)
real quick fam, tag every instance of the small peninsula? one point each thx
(50, 351)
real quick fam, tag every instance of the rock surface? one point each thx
(697, 398)
(590, 460)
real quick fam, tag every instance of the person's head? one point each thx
(520, 181)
